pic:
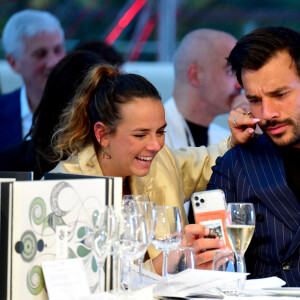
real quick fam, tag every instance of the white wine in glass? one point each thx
(240, 225)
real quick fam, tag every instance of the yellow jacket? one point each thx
(174, 174)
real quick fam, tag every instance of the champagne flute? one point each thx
(240, 225)
(168, 232)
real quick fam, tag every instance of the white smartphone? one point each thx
(209, 210)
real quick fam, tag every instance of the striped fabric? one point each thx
(255, 173)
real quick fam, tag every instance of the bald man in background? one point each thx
(204, 88)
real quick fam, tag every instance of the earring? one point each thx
(105, 155)
(99, 141)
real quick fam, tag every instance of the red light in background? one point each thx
(124, 21)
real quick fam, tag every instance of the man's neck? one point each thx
(195, 111)
(33, 99)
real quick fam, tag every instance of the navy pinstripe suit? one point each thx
(255, 173)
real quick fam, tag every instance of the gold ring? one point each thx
(234, 121)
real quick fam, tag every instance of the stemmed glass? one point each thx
(240, 225)
(132, 239)
(100, 234)
(148, 210)
(168, 232)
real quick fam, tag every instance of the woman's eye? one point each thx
(162, 132)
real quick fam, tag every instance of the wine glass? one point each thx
(168, 232)
(181, 259)
(129, 202)
(240, 225)
(132, 239)
(148, 210)
(100, 234)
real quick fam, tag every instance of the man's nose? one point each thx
(269, 111)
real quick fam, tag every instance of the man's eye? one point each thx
(40, 54)
(281, 95)
(139, 135)
(255, 100)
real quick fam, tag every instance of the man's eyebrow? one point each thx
(277, 91)
(271, 93)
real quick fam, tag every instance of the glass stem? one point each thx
(241, 267)
(101, 276)
(165, 264)
(140, 263)
(240, 264)
(116, 275)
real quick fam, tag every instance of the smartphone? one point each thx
(209, 210)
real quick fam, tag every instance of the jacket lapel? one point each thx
(264, 169)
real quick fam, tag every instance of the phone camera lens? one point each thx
(202, 200)
(197, 204)
(196, 198)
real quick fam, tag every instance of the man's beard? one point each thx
(278, 138)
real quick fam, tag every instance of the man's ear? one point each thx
(13, 62)
(100, 131)
(194, 74)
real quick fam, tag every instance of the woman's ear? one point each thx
(100, 132)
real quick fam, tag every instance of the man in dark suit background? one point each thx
(33, 42)
(266, 171)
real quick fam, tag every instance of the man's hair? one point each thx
(27, 23)
(256, 49)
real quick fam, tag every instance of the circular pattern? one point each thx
(27, 247)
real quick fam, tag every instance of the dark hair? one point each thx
(255, 49)
(107, 52)
(60, 89)
(102, 93)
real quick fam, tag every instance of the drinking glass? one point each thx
(148, 210)
(181, 259)
(168, 232)
(240, 225)
(132, 239)
(129, 202)
(100, 235)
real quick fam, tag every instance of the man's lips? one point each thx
(277, 129)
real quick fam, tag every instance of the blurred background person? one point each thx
(107, 52)
(33, 42)
(204, 88)
(36, 154)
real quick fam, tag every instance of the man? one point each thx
(33, 42)
(204, 88)
(266, 171)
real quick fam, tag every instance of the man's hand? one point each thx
(242, 126)
(204, 248)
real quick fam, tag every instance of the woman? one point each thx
(116, 127)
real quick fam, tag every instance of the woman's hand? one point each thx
(242, 126)
(204, 248)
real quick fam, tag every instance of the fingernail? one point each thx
(256, 120)
(220, 243)
(251, 130)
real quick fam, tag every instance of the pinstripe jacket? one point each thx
(255, 173)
